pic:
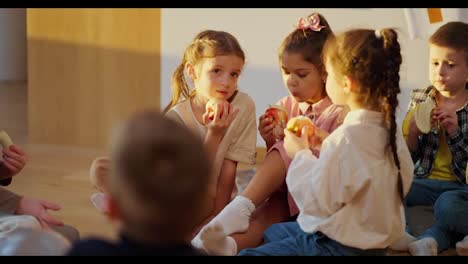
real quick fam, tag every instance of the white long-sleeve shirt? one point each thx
(350, 193)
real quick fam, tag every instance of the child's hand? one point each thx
(293, 143)
(224, 114)
(448, 120)
(317, 139)
(14, 160)
(269, 131)
(38, 209)
(278, 130)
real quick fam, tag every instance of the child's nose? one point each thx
(224, 80)
(441, 70)
(292, 82)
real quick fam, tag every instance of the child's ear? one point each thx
(190, 68)
(349, 85)
(347, 82)
(323, 73)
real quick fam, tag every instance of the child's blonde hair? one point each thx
(159, 177)
(207, 44)
(373, 59)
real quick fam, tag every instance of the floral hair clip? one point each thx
(312, 22)
(378, 34)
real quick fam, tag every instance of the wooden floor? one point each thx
(55, 173)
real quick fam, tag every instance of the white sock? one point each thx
(423, 247)
(462, 247)
(235, 216)
(403, 242)
(216, 242)
(196, 242)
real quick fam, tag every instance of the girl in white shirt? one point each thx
(350, 198)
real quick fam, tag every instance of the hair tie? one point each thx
(378, 34)
(312, 22)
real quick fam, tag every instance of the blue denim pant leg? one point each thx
(451, 213)
(316, 244)
(280, 231)
(426, 192)
(286, 247)
(280, 239)
(319, 244)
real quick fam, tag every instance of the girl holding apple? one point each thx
(351, 197)
(265, 200)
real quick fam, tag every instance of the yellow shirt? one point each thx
(442, 167)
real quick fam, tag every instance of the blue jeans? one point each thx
(450, 203)
(288, 239)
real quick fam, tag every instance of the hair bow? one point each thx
(312, 22)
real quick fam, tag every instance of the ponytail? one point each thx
(179, 86)
(391, 86)
(390, 116)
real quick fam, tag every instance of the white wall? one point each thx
(12, 44)
(260, 32)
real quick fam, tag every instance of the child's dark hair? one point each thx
(307, 42)
(452, 35)
(207, 44)
(159, 177)
(373, 59)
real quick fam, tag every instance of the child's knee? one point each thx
(27, 242)
(28, 221)
(14, 222)
(449, 207)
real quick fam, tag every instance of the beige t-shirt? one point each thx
(240, 141)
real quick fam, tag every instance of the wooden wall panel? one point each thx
(88, 69)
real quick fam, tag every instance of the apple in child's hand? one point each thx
(277, 113)
(279, 117)
(211, 107)
(296, 124)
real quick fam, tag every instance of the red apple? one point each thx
(211, 107)
(296, 124)
(277, 113)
